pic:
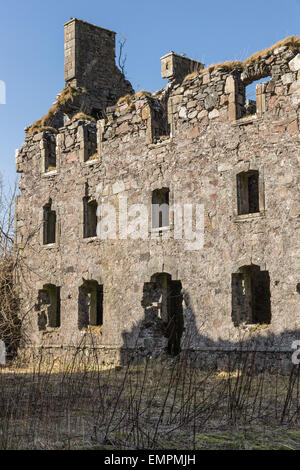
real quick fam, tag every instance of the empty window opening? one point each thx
(160, 208)
(248, 192)
(48, 307)
(298, 288)
(90, 218)
(50, 152)
(159, 122)
(90, 143)
(49, 216)
(251, 91)
(162, 300)
(97, 113)
(90, 304)
(251, 297)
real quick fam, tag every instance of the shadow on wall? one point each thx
(169, 327)
(162, 326)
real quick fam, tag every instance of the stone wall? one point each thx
(194, 138)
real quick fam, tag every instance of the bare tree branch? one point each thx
(122, 57)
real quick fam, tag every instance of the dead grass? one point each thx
(94, 156)
(83, 117)
(142, 93)
(94, 329)
(228, 375)
(292, 42)
(37, 127)
(128, 99)
(67, 95)
(226, 66)
(80, 403)
(189, 76)
(257, 327)
(125, 99)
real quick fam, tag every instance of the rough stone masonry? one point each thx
(198, 141)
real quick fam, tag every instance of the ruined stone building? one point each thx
(198, 141)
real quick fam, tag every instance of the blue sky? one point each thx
(31, 38)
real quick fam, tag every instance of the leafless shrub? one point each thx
(9, 305)
(74, 401)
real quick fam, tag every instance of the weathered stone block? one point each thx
(230, 85)
(211, 101)
(294, 86)
(214, 114)
(294, 64)
(287, 78)
(183, 112)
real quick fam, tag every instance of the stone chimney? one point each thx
(90, 62)
(175, 67)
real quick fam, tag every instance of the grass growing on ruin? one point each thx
(191, 75)
(291, 42)
(140, 93)
(94, 156)
(83, 117)
(66, 96)
(159, 404)
(128, 99)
